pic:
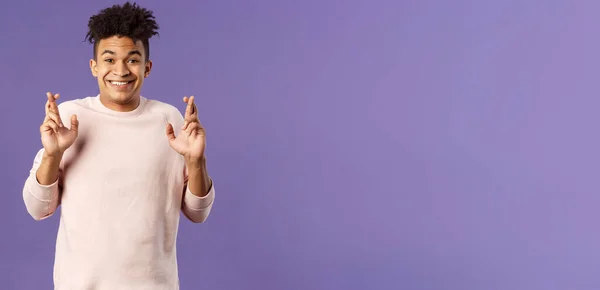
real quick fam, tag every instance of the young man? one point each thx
(117, 168)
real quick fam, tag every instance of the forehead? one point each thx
(120, 45)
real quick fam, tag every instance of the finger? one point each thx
(170, 132)
(74, 123)
(50, 125)
(52, 97)
(53, 125)
(187, 113)
(189, 128)
(51, 103)
(49, 99)
(191, 112)
(53, 114)
(45, 127)
(55, 117)
(189, 108)
(189, 119)
(199, 131)
(193, 104)
(53, 107)
(192, 127)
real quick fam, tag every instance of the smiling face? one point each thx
(120, 67)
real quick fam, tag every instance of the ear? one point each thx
(94, 67)
(148, 68)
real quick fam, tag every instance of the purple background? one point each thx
(354, 144)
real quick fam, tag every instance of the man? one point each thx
(117, 168)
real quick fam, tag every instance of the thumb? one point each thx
(170, 132)
(74, 123)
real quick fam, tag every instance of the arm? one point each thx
(41, 192)
(199, 192)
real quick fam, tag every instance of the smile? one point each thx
(121, 86)
(120, 83)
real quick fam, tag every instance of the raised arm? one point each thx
(41, 192)
(191, 143)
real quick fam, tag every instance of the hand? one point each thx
(191, 140)
(56, 138)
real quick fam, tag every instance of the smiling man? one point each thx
(115, 165)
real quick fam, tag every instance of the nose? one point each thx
(120, 69)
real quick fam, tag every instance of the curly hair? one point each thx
(128, 20)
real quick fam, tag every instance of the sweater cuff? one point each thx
(194, 202)
(41, 192)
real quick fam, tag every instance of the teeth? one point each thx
(118, 83)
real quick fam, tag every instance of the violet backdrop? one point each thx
(354, 144)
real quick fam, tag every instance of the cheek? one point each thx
(139, 71)
(101, 72)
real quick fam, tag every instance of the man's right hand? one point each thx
(56, 138)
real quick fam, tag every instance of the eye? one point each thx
(108, 60)
(133, 61)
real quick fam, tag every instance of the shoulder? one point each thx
(80, 102)
(75, 105)
(170, 112)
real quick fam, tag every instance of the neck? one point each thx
(126, 106)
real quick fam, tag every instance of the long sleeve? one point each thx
(197, 208)
(41, 201)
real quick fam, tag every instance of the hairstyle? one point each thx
(128, 20)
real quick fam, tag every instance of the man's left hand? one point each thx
(191, 140)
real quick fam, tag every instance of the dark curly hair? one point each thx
(128, 20)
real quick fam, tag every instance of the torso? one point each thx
(121, 199)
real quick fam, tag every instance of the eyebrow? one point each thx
(133, 52)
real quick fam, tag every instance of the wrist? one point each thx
(47, 172)
(195, 163)
(52, 157)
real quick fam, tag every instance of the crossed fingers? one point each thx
(52, 118)
(191, 124)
